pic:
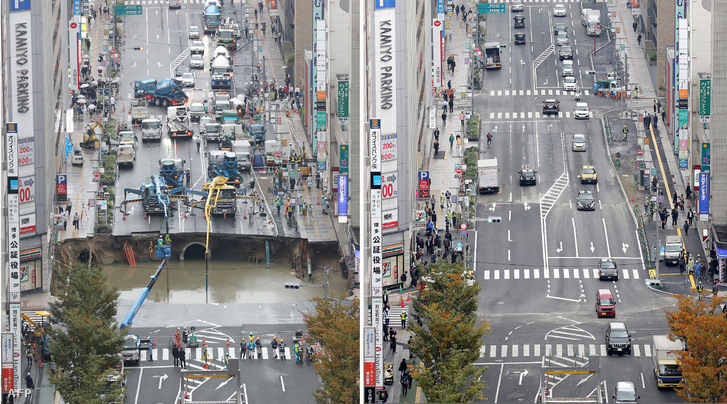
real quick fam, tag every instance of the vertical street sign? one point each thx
(705, 99)
(344, 159)
(706, 157)
(703, 197)
(13, 203)
(343, 102)
(377, 281)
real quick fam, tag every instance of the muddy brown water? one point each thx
(229, 282)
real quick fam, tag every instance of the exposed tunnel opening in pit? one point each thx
(193, 252)
(84, 256)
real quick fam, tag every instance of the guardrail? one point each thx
(607, 128)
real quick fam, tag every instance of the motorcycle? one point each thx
(578, 95)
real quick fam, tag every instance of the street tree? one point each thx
(447, 336)
(335, 325)
(703, 327)
(86, 345)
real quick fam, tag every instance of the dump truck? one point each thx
(666, 363)
(126, 154)
(151, 129)
(488, 176)
(139, 111)
(257, 132)
(212, 131)
(492, 55)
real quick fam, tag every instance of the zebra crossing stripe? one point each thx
(487, 275)
(636, 273)
(165, 354)
(483, 351)
(526, 350)
(556, 273)
(636, 350)
(626, 274)
(592, 349)
(526, 273)
(536, 350)
(536, 273)
(548, 350)
(581, 350)
(546, 273)
(603, 350)
(647, 350)
(497, 274)
(569, 349)
(559, 350)
(503, 352)
(566, 274)
(585, 273)
(493, 351)
(514, 351)
(516, 273)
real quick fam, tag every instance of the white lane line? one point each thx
(608, 245)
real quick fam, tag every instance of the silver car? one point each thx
(196, 61)
(559, 11)
(187, 79)
(196, 46)
(193, 32)
(561, 39)
(578, 143)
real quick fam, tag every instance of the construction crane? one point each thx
(217, 198)
(155, 197)
(166, 252)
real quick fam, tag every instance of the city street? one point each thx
(538, 267)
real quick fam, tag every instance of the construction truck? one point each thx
(126, 154)
(243, 151)
(139, 110)
(220, 102)
(218, 198)
(211, 131)
(40, 327)
(257, 132)
(223, 163)
(154, 195)
(221, 73)
(166, 92)
(228, 33)
(151, 129)
(229, 134)
(178, 122)
(211, 18)
(492, 55)
(666, 363)
(172, 170)
(591, 19)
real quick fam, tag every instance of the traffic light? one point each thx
(139, 48)
(292, 285)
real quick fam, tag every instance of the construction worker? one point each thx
(168, 239)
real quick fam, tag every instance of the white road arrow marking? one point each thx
(224, 383)
(492, 208)
(161, 379)
(523, 373)
(560, 248)
(624, 247)
(546, 82)
(159, 64)
(523, 128)
(494, 129)
(527, 207)
(592, 247)
(584, 380)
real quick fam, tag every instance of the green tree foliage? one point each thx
(450, 337)
(703, 327)
(336, 326)
(87, 345)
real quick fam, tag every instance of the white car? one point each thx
(578, 143)
(187, 79)
(77, 158)
(516, 5)
(582, 111)
(193, 32)
(567, 68)
(559, 11)
(196, 61)
(196, 46)
(569, 83)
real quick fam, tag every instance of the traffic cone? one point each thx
(244, 215)
(204, 341)
(319, 200)
(123, 108)
(145, 217)
(224, 215)
(154, 341)
(402, 302)
(407, 298)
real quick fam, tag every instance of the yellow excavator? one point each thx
(92, 135)
(41, 328)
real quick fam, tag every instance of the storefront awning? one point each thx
(722, 252)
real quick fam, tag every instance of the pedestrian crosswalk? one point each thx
(528, 115)
(215, 353)
(554, 350)
(160, 2)
(548, 273)
(536, 1)
(552, 92)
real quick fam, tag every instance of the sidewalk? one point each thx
(660, 147)
(316, 227)
(415, 394)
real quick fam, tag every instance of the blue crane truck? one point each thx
(223, 163)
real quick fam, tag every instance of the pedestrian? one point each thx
(403, 313)
(654, 121)
(454, 64)
(451, 142)
(76, 220)
(456, 9)
(698, 269)
(29, 355)
(188, 177)
(690, 216)
(296, 349)
(113, 104)
(205, 357)
(635, 25)
(182, 358)
(686, 228)
(436, 148)
(281, 350)
(451, 105)
(444, 118)
(436, 133)
(384, 395)
(175, 354)
(392, 340)
(461, 118)
(682, 264)
(454, 219)
(404, 383)
(654, 106)
(647, 121)
(674, 216)
(29, 382)
(638, 39)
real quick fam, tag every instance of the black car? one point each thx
(519, 21)
(585, 200)
(559, 27)
(618, 339)
(607, 269)
(527, 175)
(519, 39)
(550, 107)
(565, 52)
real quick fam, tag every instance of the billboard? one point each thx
(703, 196)
(438, 56)
(342, 198)
(342, 102)
(384, 77)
